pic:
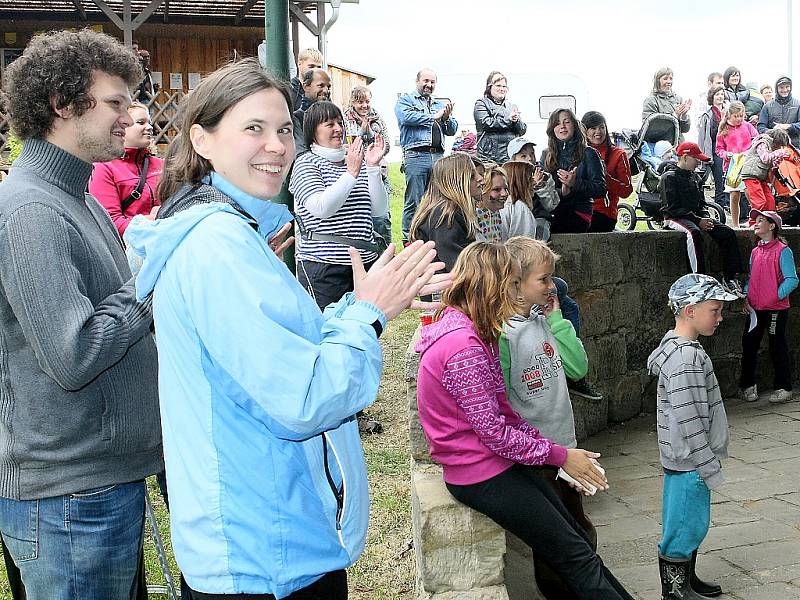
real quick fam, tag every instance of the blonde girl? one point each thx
(490, 456)
(446, 212)
(735, 136)
(493, 195)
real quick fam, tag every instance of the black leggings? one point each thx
(332, 586)
(774, 323)
(521, 501)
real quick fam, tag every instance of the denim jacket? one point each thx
(416, 121)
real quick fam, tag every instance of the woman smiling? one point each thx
(258, 389)
(337, 191)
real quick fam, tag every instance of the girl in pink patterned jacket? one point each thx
(489, 454)
(735, 137)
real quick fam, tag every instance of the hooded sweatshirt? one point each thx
(537, 354)
(259, 392)
(781, 109)
(692, 425)
(471, 428)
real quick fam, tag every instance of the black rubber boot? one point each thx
(675, 579)
(709, 589)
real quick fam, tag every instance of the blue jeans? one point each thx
(685, 514)
(417, 166)
(569, 308)
(383, 227)
(84, 545)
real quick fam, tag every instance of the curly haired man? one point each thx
(79, 424)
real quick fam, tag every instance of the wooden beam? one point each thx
(302, 18)
(320, 25)
(127, 30)
(79, 8)
(166, 11)
(145, 14)
(295, 39)
(243, 10)
(112, 16)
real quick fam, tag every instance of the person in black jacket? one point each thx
(684, 207)
(577, 171)
(446, 213)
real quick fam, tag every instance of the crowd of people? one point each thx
(248, 409)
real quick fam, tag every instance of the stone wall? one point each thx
(620, 280)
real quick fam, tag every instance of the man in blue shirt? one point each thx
(424, 122)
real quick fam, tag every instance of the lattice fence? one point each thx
(164, 115)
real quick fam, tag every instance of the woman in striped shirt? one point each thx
(337, 191)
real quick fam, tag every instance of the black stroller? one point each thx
(639, 147)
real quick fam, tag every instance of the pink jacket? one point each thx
(112, 182)
(471, 428)
(737, 140)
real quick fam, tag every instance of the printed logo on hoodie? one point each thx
(544, 366)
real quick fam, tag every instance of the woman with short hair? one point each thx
(337, 191)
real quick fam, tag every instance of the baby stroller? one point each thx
(787, 188)
(639, 147)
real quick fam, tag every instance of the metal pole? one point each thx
(276, 33)
(789, 27)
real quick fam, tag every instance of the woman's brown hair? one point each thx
(551, 161)
(206, 106)
(520, 181)
(448, 190)
(482, 277)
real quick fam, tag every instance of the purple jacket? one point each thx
(471, 428)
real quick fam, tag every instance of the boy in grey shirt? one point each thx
(692, 432)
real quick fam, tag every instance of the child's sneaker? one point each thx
(583, 389)
(780, 396)
(733, 287)
(750, 394)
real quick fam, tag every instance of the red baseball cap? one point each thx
(691, 149)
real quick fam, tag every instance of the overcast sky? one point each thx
(613, 47)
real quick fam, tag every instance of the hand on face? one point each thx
(552, 303)
(538, 177)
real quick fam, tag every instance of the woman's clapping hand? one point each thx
(394, 282)
(376, 151)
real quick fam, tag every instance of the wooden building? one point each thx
(187, 39)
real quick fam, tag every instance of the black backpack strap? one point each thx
(137, 193)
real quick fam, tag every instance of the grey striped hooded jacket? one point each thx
(692, 425)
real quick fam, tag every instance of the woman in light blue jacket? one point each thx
(258, 388)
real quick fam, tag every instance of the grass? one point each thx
(386, 569)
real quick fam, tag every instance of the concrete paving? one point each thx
(753, 547)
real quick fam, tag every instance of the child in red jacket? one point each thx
(126, 186)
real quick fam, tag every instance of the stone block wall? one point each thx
(620, 280)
